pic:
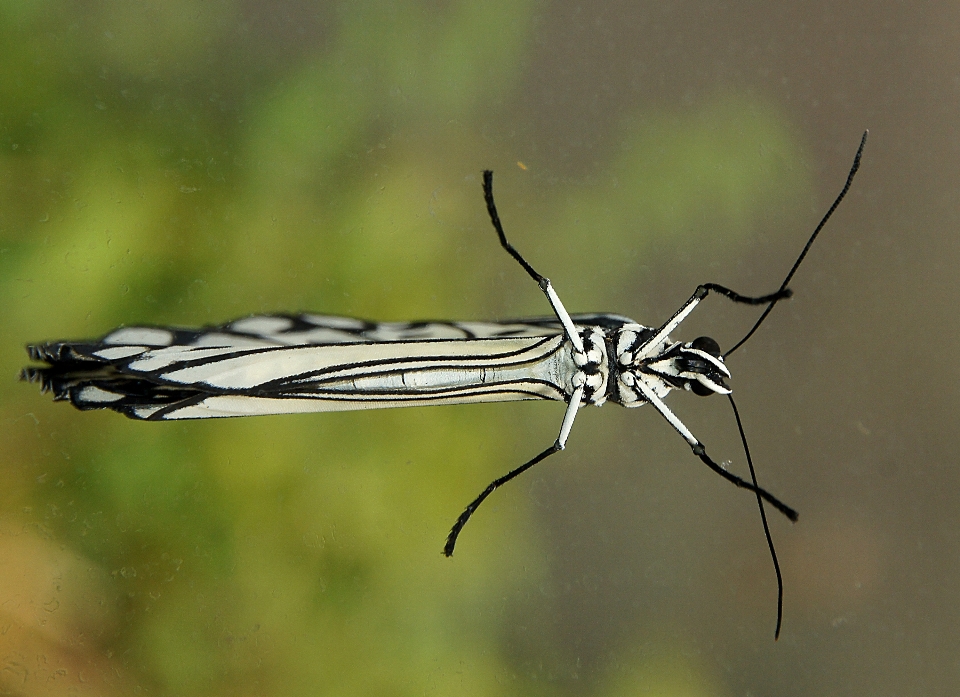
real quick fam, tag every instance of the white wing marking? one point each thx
(116, 352)
(150, 336)
(216, 338)
(263, 325)
(334, 321)
(97, 395)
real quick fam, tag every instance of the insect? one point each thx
(280, 364)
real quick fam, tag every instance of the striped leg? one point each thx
(557, 446)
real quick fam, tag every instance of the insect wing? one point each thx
(272, 364)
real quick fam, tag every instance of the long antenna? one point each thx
(763, 519)
(806, 248)
(781, 294)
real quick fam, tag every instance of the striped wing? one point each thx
(274, 364)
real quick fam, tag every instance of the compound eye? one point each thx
(707, 345)
(698, 388)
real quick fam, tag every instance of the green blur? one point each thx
(154, 170)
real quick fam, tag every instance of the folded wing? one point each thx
(272, 364)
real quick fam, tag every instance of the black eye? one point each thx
(698, 388)
(707, 345)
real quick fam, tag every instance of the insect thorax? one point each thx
(639, 362)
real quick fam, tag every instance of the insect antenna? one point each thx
(763, 519)
(782, 293)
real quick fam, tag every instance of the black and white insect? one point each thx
(281, 364)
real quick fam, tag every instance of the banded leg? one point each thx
(557, 446)
(701, 452)
(703, 291)
(568, 326)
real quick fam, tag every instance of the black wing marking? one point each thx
(319, 330)
(261, 331)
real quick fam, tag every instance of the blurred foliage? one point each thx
(187, 162)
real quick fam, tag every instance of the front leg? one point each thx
(701, 452)
(699, 294)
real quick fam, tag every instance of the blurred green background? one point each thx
(188, 162)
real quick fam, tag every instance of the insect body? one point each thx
(278, 364)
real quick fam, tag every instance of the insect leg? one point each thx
(568, 327)
(699, 294)
(770, 300)
(557, 446)
(700, 451)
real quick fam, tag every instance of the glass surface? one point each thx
(188, 162)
